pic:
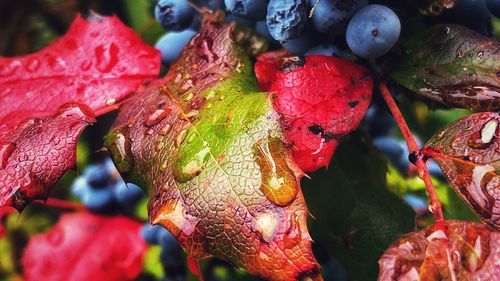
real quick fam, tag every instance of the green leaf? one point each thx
(453, 65)
(209, 147)
(356, 216)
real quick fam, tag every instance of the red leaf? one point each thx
(99, 61)
(456, 250)
(37, 152)
(320, 98)
(85, 246)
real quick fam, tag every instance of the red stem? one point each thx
(423, 173)
(62, 204)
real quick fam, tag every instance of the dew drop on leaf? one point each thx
(156, 117)
(174, 217)
(121, 146)
(266, 224)
(278, 184)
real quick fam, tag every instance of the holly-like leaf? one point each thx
(86, 246)
(452, 65)
(47, 98)
(468, 152)
(457, 250)
(321, 99)
(356, 217)
(98, 62)
(210, 147)
(37, 152)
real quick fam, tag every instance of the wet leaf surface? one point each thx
(452, 65)
(356, 217)
(321, 99)
(468, 152)
(209, 147)
(86, 246)
(458, 251)
(47, 98)
(98, 62)
(37, 152)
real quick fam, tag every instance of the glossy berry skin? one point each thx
(261, 28)
(286, 19)
(151, 233)
(300, 45)
(373, 31)
(128, 194)
(249, 9)
(98, 199)
(494, 7)
(473, 14)
(331, 16)
(326, 50)
(170, 45)
(174, 14)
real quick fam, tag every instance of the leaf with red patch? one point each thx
(454, 251)
(210, 147)
(37, 152)
(98, 62)
(86, 246)
(468, 152)
(321, 99)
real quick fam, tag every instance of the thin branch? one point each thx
(423, 173)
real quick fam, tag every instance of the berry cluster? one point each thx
(101, 189)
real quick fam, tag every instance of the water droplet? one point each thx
(121, 148)
(110, 101)
(479, 55)
(266, 224)
(106, 57)
(10, 69)
(156, 117)
(150, 131)
(186, 169)
(278, 181)
(164, 166)
(159, 145)
(488, 131)
(192, 114)
(188, 97)
(180, 137)
(32, 65)
(459, 54)
(173, 216)
(6, 150)
(164, 131)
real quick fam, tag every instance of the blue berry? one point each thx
(395, 151)
(151, 233)
(171, 44)
(373, 31)
(250, 9)
(331, 16)
(494, 7)
(418, 204)
(128, 193)
(300, 45)
(100, 175)
(326, 50)
(261, 28)
(168, 242)
(241, 21)
(435, 170)
(378, 122)
(174, 14)
(286, 19)
(98, 199)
